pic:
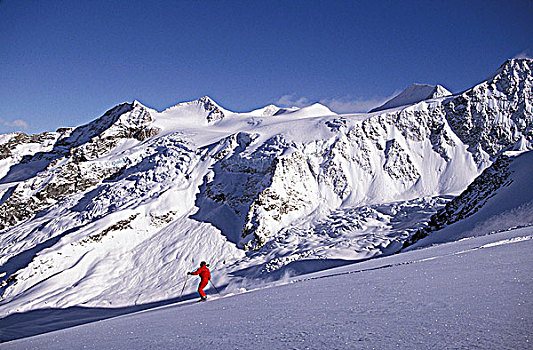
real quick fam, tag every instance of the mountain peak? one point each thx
(197, 111)
(206, 99)
(313, 110)
(414, 94)
(440, 91)
(214, 111)
(202, 101)
(266, 111)
(515, 66)
(138, 104)
(319, 107)
(514, 61)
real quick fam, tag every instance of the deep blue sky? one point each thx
(64, 63)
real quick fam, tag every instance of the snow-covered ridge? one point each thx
(121, 205)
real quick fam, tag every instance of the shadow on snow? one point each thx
(35, 322)
(24, 258)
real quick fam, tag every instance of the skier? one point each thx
(205, 276)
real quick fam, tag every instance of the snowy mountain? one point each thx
(113, 213)
(414, 94)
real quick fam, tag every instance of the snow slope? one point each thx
(499, 199)
(474, 293)
(114, 212)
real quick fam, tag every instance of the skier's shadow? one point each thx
(35, 322)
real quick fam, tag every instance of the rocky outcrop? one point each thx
(292, 192)
(67, 168)
(10, 142)
(497, 113)
(399, 165)
(214, 112)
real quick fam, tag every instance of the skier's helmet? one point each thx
(203, 263)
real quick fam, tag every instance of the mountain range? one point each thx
(115, 212)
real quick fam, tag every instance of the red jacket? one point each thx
(204, 273)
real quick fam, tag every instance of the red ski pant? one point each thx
(203, 283)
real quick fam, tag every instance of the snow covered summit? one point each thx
(414, 94)
(199, 112)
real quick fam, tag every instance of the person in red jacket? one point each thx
(205, 276)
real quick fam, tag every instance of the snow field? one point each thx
(475, 293)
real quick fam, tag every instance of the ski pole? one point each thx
(214, 286)
(186, 278)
